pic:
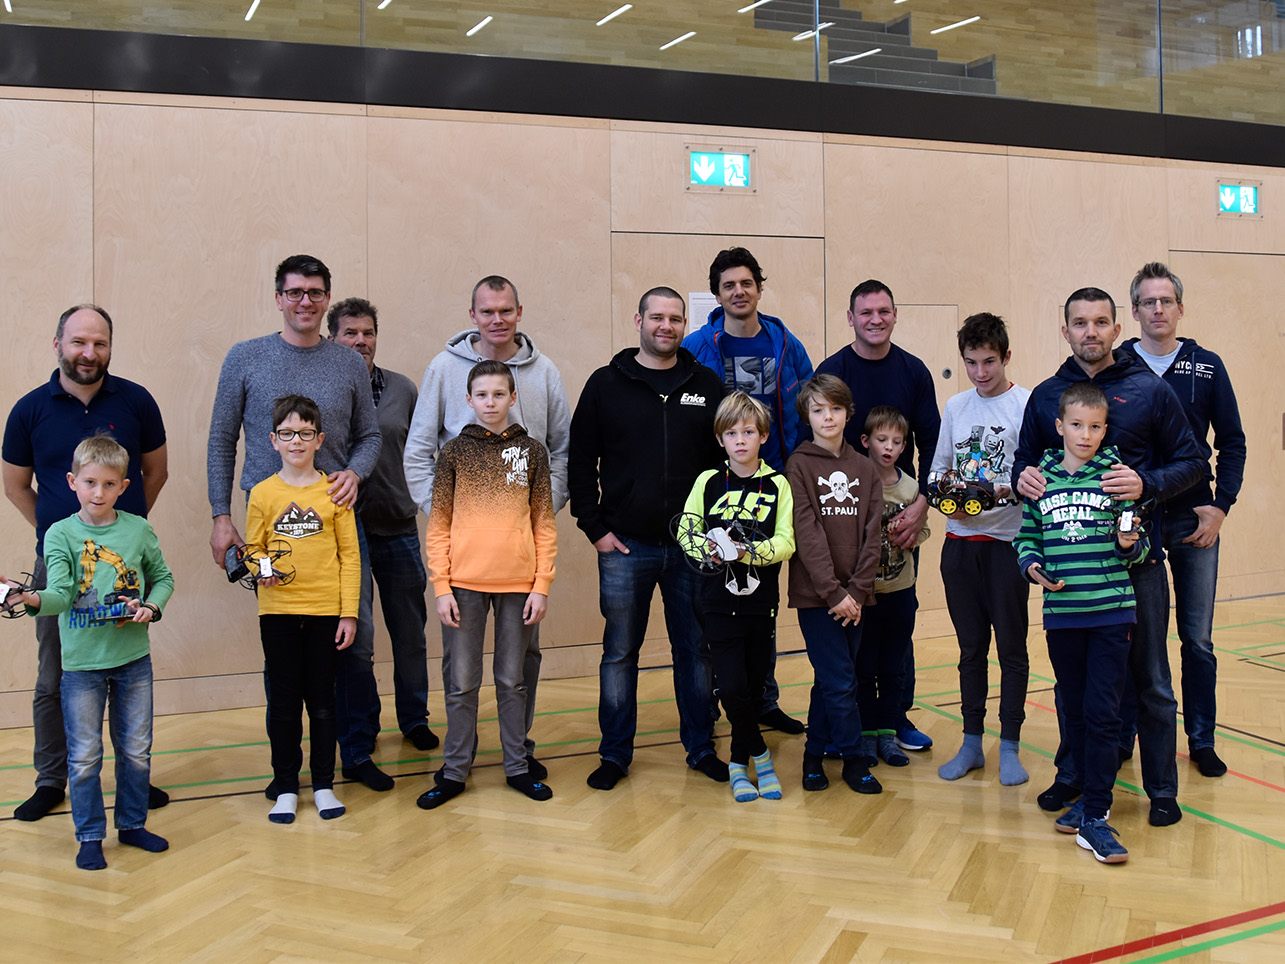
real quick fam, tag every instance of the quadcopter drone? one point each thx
(255, 562)
(712, 551)
(10, 608)
(949, 492)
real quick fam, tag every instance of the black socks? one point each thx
(422, 738)
(370, 775)
(606, 776)
(39, 804)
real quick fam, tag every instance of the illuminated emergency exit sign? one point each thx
(1239, 199)
(728, 169)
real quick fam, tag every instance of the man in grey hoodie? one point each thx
(442, 411)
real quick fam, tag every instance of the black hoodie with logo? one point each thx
(639, 438)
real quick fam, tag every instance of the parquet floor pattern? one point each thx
(667, 867)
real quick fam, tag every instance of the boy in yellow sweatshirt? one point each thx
(305, 621)
(491, 544)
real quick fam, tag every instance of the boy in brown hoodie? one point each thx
(838, 503)
(491, 545)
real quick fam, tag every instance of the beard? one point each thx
(82, 374)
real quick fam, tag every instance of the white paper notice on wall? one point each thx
(699, 305)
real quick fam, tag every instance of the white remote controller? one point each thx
(265, 568)
(728, 550)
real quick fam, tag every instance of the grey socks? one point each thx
(1011, 771)
(969, 757)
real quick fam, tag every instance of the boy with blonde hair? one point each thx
(107, 581)
(746, 512)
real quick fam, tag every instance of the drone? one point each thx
(712, 551)
(267, 561)
(11, 608)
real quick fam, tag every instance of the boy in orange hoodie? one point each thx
(491, 545)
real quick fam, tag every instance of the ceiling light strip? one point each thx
(848, 60)
(677, 40)
(479, 25)
(614, 14)
(952, 26)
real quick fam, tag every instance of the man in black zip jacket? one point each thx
(1192, 521)
(641, 433)
(1160, 459)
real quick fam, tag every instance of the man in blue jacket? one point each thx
(757, 354)
(1192, 521)
(1160, 459)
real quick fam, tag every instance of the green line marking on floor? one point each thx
(1210, 944)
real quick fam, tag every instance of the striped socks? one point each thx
(742, 790)
(769, 783)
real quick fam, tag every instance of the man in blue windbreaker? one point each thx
(757, 354)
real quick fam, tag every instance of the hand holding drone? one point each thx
(14, 595)
(712, 551)
(260, 565)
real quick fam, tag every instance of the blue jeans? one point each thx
(625, 587)
(356, 692)
(1195, 583)
(908, 673)
(834, 720)
(127, 693)
(397, 567)
(1149, 692)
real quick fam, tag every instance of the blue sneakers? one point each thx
(1098, 837)
(908, 738)
(1073, 819)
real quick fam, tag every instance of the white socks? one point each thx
(283, 810)
(328, 804)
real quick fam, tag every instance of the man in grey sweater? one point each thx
(541, 408)
(387, 514)
(257, 372)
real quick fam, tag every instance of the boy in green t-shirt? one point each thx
(108, 580)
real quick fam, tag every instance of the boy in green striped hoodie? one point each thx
(1077, 542)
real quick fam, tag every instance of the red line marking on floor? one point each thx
(1245, 776)
(1173, 936)
(1235, 773)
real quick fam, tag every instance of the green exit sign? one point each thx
(1239, 199)
(720, 169)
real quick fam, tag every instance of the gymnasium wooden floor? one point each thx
(667, 867)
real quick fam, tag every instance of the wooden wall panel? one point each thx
(192, 211)
(452, 201)
(1075, 223)
(173, 212)
(650, 180)
(46, 263)
(1233, 308)
(1194, 224)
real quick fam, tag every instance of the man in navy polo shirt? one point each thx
(44, 428)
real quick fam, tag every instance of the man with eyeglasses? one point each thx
(540, 407)
(1159, 460)
(44, 427)
(1192, 520)
(299, 361)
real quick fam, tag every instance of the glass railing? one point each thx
(1206, 59)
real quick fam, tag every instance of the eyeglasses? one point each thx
(295, 295)
(1149, 304)
(288, 434)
